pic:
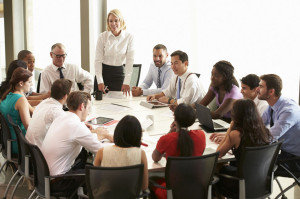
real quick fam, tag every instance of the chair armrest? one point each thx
(144, 194)
(215, 180)
(229, 176)
(9, 141)
(27, 166)
(153, 183)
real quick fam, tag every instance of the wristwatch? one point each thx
(169, 100)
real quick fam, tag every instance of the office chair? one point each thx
(287, 173)
(42, 178)
(114, 182)
(23, 159)
(255, 171)
(189, 177)
(135, 77)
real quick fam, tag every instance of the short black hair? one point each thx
(128, 132)
(160, 46)
(60, 88)
(182, 55)
(251, 80)
(23, 53)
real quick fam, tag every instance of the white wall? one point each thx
(257, 36)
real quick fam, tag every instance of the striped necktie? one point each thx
(158, 79)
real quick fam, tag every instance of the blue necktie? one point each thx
(178, 88)
(158, 79)
(61, 75)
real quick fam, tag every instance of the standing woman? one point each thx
(14, 103)
(114, 48)
(224, 88)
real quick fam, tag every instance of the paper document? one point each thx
(113, 108)
(115, 94)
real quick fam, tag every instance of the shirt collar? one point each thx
(121, 35)
(184, 76)
(56, 67)
(276, 106)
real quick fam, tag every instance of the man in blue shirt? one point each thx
(160, 73)
(283, 117)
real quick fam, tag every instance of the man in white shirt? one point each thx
(66, 137)
(59, 69)
(159, 72)
(250, 84)
(47, 111)
(184, 87)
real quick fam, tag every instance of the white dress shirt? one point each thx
(64, 141)
(261, 105)
(191, 88)
(152, 75)
(71, 72)
(43, 116)
(114, 51)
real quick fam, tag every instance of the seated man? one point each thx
(66, 137)
(250, 84)
(47, 111)
(184, 87)
(32, 97)
(60, 69)
(283, 117)
(159, 72)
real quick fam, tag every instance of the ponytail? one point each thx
(185, 143)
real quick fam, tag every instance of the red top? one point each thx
(168, 143)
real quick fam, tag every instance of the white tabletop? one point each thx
(162, 117)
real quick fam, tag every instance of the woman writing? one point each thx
(224, 88)
(179, 142)
(126, 151)
(14, 103)
(114, 48)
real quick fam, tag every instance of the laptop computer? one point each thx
(205, 119)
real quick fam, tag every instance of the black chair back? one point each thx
(22, 147)
(114, 182)
(189, 177)
(38, 84)
(256, 167)
(40, 166)
(5, 134)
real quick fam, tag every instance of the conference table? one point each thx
(115, 105)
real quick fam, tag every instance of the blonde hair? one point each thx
(117, 13)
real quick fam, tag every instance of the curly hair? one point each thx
(226, 69)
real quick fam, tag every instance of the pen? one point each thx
(120, 105)
(144, 144)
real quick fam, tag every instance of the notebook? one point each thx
(153, 104)
(205, 119)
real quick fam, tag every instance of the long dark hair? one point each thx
(185, 116)
(11, 68)
(248, 122)
(226, 69)
(128, 132)
(20, 74)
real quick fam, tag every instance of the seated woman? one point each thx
(180, 141)
(246, 130)
(126, 151)
(14, 103)
(224, 88)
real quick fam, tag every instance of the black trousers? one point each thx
(113, 77)
(293, 166)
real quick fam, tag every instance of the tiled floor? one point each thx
(23, 192)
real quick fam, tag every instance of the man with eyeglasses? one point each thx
(59, 69)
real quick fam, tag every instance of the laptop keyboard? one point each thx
(216, 125)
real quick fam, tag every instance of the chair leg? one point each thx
(7, 188)
(282, 191)
(16, 186)
(33, 192)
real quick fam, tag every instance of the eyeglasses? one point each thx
(59, 56)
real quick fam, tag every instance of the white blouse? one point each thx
(115, 51)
